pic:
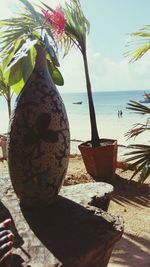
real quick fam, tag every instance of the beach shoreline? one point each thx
(107, 105)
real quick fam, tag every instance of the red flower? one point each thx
(56, 20)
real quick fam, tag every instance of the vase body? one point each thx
(39, 140)
(101, 161)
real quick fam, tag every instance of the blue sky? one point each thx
(111, 21)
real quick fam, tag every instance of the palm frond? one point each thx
(141, 44)
(31, 10)
(139, 159)
(144, 174)
(138, 107)
(76, 26)
(141, 109)
(137, 129)
(139, 156)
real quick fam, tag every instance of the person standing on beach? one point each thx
(120, 113)
(6, 243)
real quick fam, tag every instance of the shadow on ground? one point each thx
(130, 192)
(137, 255)
(70, 231)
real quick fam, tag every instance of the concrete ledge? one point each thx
(68, 233)
(94, 194)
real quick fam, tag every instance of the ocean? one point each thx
(107, 104)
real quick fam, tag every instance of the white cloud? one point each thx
(105, 73)
(72, 70)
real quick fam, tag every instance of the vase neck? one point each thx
(40, 61)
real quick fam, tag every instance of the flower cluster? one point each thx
(22, 34)
(56, 20)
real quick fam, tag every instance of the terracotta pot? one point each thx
(100, 162)
(38, 143)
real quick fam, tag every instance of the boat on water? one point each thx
(146, 100)
(78, 103)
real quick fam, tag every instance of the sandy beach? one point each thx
(133, 204)
(129, 201)
(109, 124)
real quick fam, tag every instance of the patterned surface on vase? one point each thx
(38, 143)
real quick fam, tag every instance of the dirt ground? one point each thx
(132, 203)
(129, 201)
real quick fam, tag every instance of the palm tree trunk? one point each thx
(9, 106)
(94, 132)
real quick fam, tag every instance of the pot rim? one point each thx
(85, 144)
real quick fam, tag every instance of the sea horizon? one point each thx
(101, 91)
(107, 104)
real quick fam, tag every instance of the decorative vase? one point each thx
(39, 139)
(101, 161)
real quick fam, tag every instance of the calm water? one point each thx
(107, 105)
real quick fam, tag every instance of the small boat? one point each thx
(146, 99)
(78, 103)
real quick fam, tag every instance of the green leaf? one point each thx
(22, 70)
(2, 87)
(28, 64)
(145, 173)
(9, 56)
(15, 73)
(140, 52)
(17, 87)
(55, 74)
(139, 158)
(1, 75)
(21, 53)
(47, 7)
(140, 43)
(76, 26)
(32, 10)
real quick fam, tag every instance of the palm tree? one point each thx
(140, 154)
(5, 91)
(139, 157)
(76, 29)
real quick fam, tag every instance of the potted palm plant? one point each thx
(99, 154)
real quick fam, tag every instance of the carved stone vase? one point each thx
(39, 139)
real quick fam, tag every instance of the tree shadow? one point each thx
(130, 192)
(69, 230)
(17, 261)
(137, 255)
